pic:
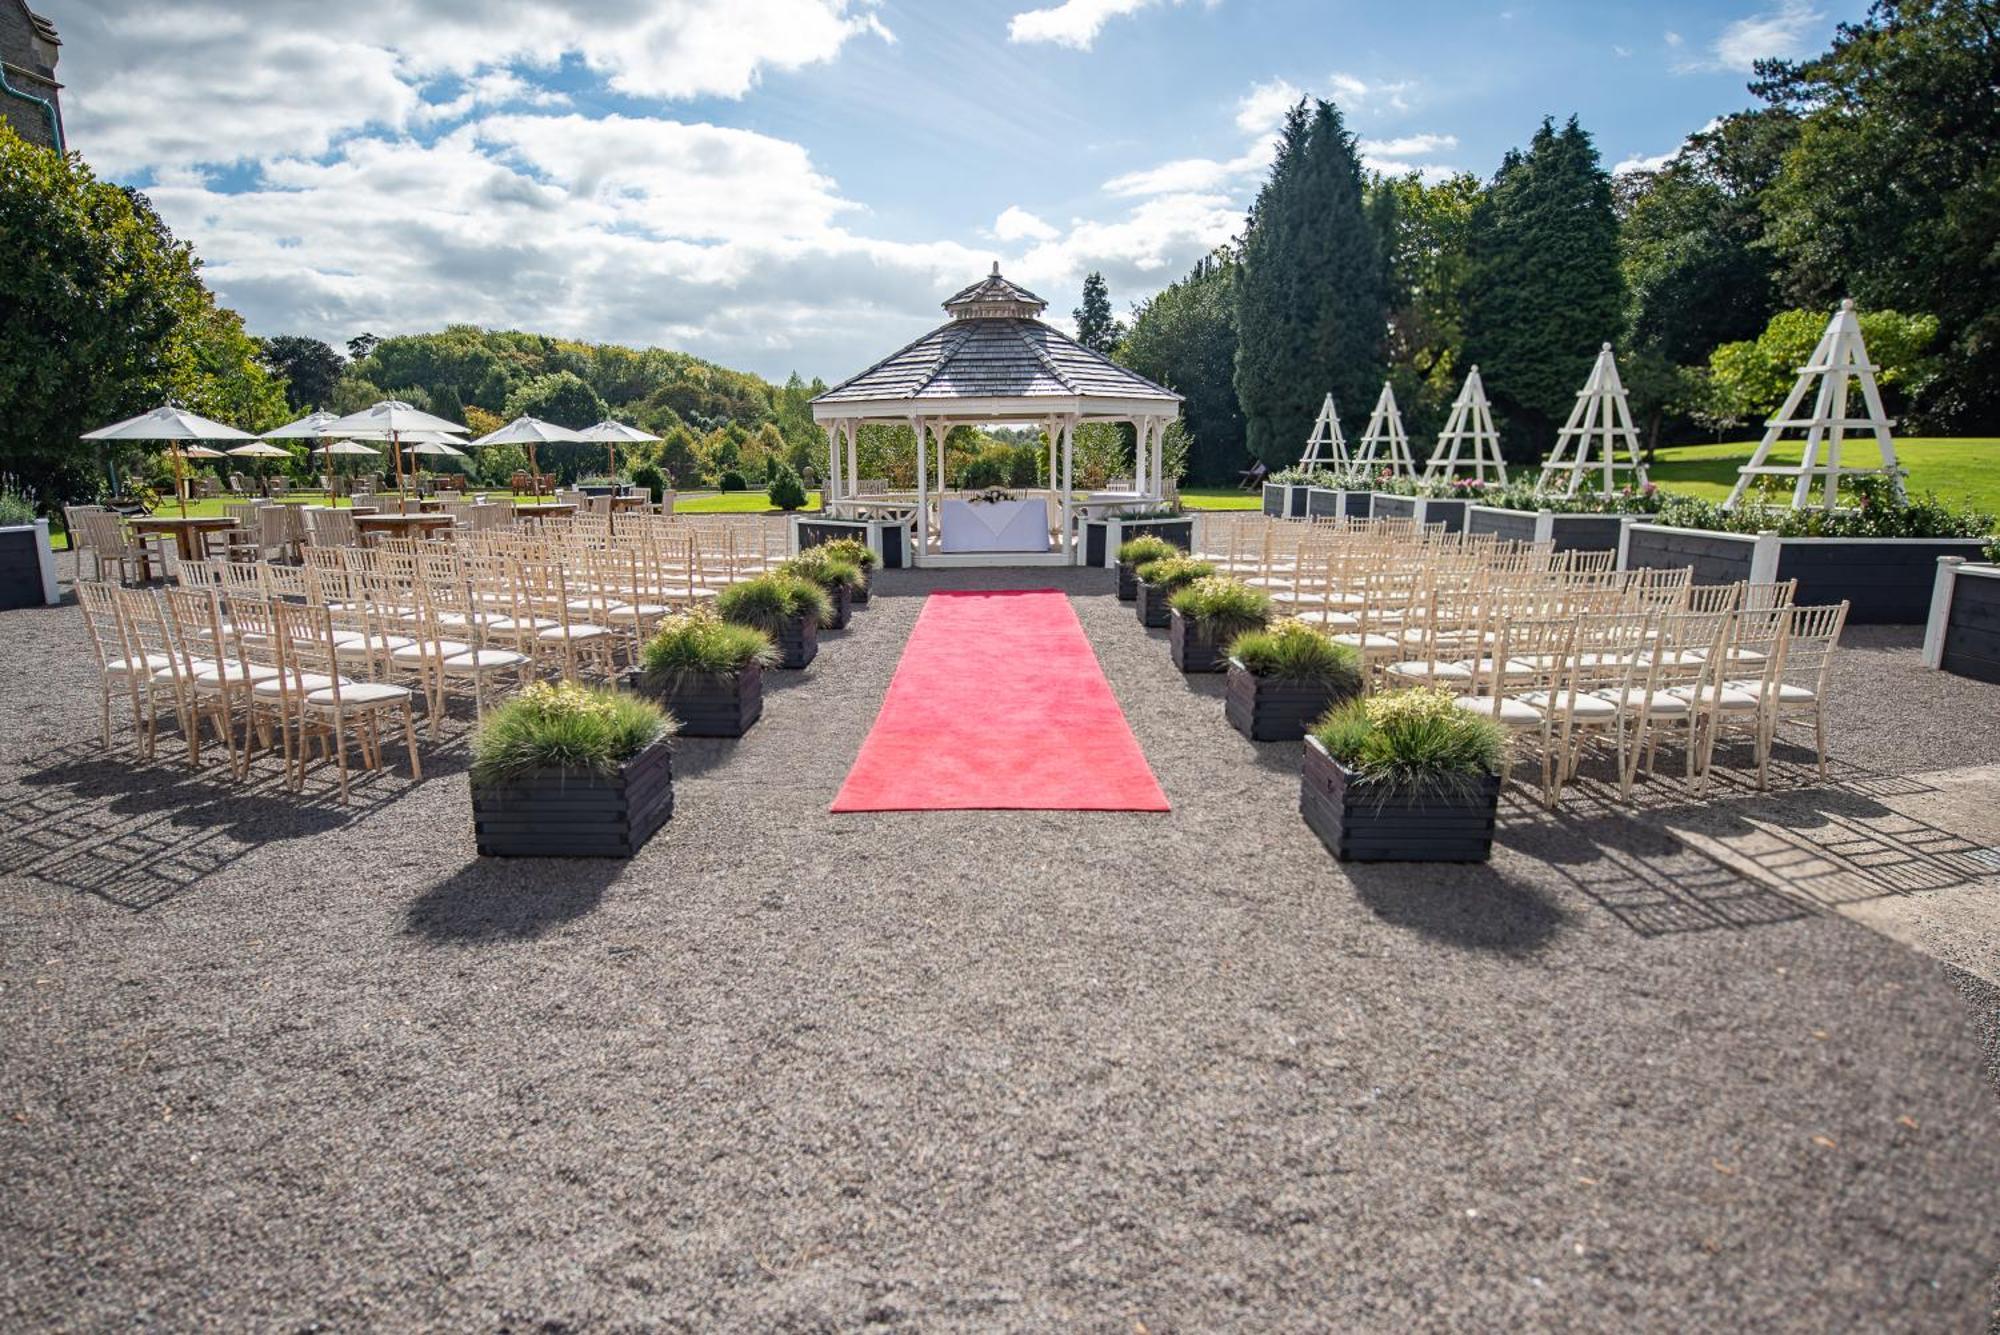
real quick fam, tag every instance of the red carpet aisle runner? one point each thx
(998, 703)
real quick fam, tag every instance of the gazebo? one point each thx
(992, 363)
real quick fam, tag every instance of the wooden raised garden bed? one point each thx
(27, 566)
(1265, 709)
(1103, 537)
(1356, 824)
(559, 813)
(1151, 600)
(1192, 651)
(709, 706)
(1963, 637)
(1886, 581)
(798, 642)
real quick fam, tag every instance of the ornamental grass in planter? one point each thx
(858, 553)
(1135, 553)
(1284, 677)
(1207, 616)
(1403, 777)
(787, 608)
(709, 673)
(1158, 581)
(839, 578)
(567, 771)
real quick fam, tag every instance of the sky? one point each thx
(782, 185)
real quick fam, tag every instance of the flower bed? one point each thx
(1963, 636)
(1103, 537)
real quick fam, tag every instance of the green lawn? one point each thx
(1963, 472)
(1221, 498)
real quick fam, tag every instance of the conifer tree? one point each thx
(1544, 289)
(1312, 298)
(1096, 328)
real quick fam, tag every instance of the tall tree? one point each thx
(311, 369)
(1096, 327)
(102, 315)
(1185, 338)
(1426, 257)
(1892, 193)
(1693, 238)
(1543, 283)
(1312, 298)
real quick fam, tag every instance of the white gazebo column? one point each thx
(1068, 487)
(853, 457)
(831, 492)
(941, 430)
(921, 538)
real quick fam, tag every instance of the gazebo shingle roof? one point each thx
(983, 354)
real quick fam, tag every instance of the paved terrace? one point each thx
(265, 1062)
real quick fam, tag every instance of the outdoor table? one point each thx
(629, 503)
(402, 525)
(187, 530)
(544, 508)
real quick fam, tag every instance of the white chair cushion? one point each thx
(234, 674)
(576, 631)
(124, 667)
(1584, 708)
(1788, 694)
(1424, 670)
(360, 693)
(310, 681)
(1511, 713)
(483, 660)
(1631, 698)
(414, 652)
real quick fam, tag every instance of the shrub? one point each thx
(852, 550)
(565, 727)
(16, 509)
(732, 480)
(785, 491)
(825, 569)
(1223, 607)
(1876, 513)
(701, 644)
(770, 601)
(652, 479)
(1412, 739)
(991, 467)
(1627, 500)
(1294, 651)
(1138, 551)
(1024, 467)
(1173, 572)
(1305, 477)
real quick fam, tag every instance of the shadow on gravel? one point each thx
(510, 899)
(1474, 908)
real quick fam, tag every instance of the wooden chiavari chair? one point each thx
(322, 703)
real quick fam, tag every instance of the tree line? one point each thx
(1867, 171)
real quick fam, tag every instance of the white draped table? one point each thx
(994, 526)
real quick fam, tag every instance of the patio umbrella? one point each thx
(612, 434)
(310, 427)
(391, 418)
(258, 449)
(343, 449)
(172, 424)
(528, 431)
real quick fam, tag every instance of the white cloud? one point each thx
(1354, 93)
(1184, 175)
(1673, 38)
(1139, 253)
(1622, 52)
(1017, 224)
(303, 73)
(1637, 163)
(1782, 32)
(1409, 145)
(1073, 23)
(1263, 108)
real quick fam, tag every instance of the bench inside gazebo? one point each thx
(993, 363)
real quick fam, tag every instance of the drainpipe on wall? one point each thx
(48, 108)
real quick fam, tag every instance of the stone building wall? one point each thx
(29, 49)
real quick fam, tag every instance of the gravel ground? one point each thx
(267, 1063)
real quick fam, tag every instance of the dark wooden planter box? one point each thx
(1151, 602)
(1103, 537)
(1436, 826)
(798, 643)
(556, 813)
(1512, 525)
(884, 538)
(843, 607)
(1566, 533)
(859, 597)
(1192, 651)
(1972, 625)
(1265, 709)
(1275, 498)
(27, 566)
(1128, 582)
(1386, 506)
(1322, 502)
(1886, 581)
(722, 706)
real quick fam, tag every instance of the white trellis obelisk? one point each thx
(1326, 447)
(1384, 444)
(1470, 424)
(1840, 357)
(1598, 426)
